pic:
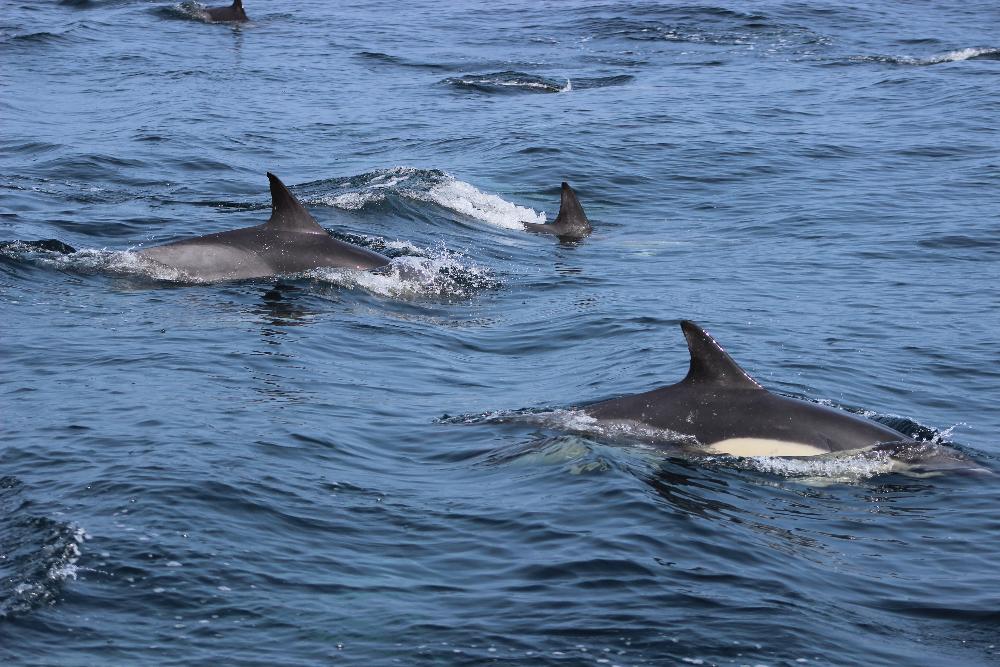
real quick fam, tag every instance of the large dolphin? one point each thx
(234, 12)
(729, 412)
(571, 224)
(291, 241)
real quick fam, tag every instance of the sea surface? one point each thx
(374, 469)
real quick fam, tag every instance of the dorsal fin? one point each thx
(286, 211)
(237, 4)
(710, 364)
(571, 214)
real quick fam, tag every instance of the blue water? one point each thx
(343, 469)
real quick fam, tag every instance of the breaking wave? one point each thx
(423, 185)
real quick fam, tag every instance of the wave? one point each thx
(514, 82)
(423, 185)
(972, 53)
(39, 553)
(36, 38)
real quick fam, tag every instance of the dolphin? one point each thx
(728, 412)
(571, 224)
(291, 241)
(234, 12)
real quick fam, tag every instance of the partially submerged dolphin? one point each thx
(571, 224)
(291, 241)
(729, 412)
(234, 12)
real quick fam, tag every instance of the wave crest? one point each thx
(424, 185)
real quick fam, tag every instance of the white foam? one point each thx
(957, 55)
(829, 469)
(438, 188)
(374, 190)
(466, 199)
(515, 83)
(960, 54)
(510, 83)
(350, 201)
(67, 568)
(443, 273)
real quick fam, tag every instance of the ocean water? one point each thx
(341, 468)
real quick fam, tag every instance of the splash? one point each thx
(832, 468)
(959, 55)
(438, 273)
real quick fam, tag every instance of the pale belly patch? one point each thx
(763, 447)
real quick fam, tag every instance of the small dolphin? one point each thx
(571, 224)
(729, 412)
(291, 241)
(234, 12)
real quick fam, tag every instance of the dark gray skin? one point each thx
(571, 224)
(291, 241)
(719, 402)
(233, 13)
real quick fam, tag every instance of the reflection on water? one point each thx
(281, 306)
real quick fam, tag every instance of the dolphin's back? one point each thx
(258, 252)
(726, 410)
(233, 12)
(728, 415)
(291, 241)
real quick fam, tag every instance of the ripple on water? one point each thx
(39, 553)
